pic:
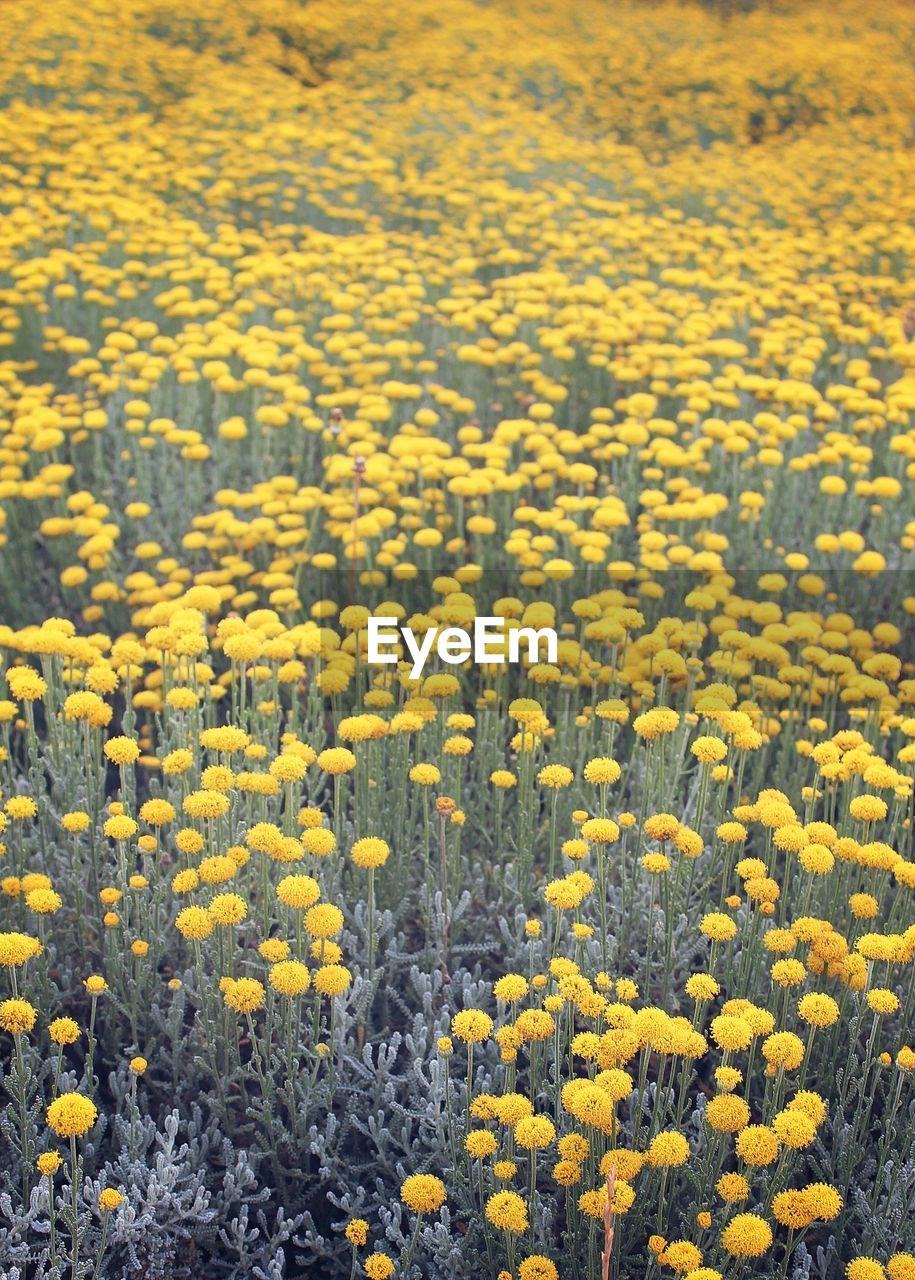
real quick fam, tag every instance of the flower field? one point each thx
(593, 319)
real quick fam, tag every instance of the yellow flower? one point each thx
(507, 1211)
(533, 1133)
(290, 978)
(510, 988)
(681, 1256)
(425, 775)
(298, 892)
(600, 831)
(727, 1113)
(667, 1149)
(194, 922)
(731, 1032)
(157, 812)
(423, 1193)
(709, 750)
(244, 995)
(324, 920)
(20, 808)
(882, 1001)
(718, 927)
(378, 1266)
(537, 1267)
(43, 901)
(747, 1236)
(17, 948)
(757, 1145)
(332, 980)
(783, 1049)
(602, 770)
(63, 1031)
(555, 776)
(17, 1016)
(818, 1009)
(732, 1187)
(336, 761)
(357, 1232)
(865, 1269)
(228, 909)
(472, 1025)
(75, 821)
(120, 827)
(370, 852)
(320, 841)
(122, 750)
(480, 1143)
(72, 1115)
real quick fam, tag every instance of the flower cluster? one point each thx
(594, 324)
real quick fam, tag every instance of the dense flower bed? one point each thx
(592, 318)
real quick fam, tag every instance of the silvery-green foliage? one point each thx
(14, 1228)
(802, 1264)
(214, 1194)
(195, 1203)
